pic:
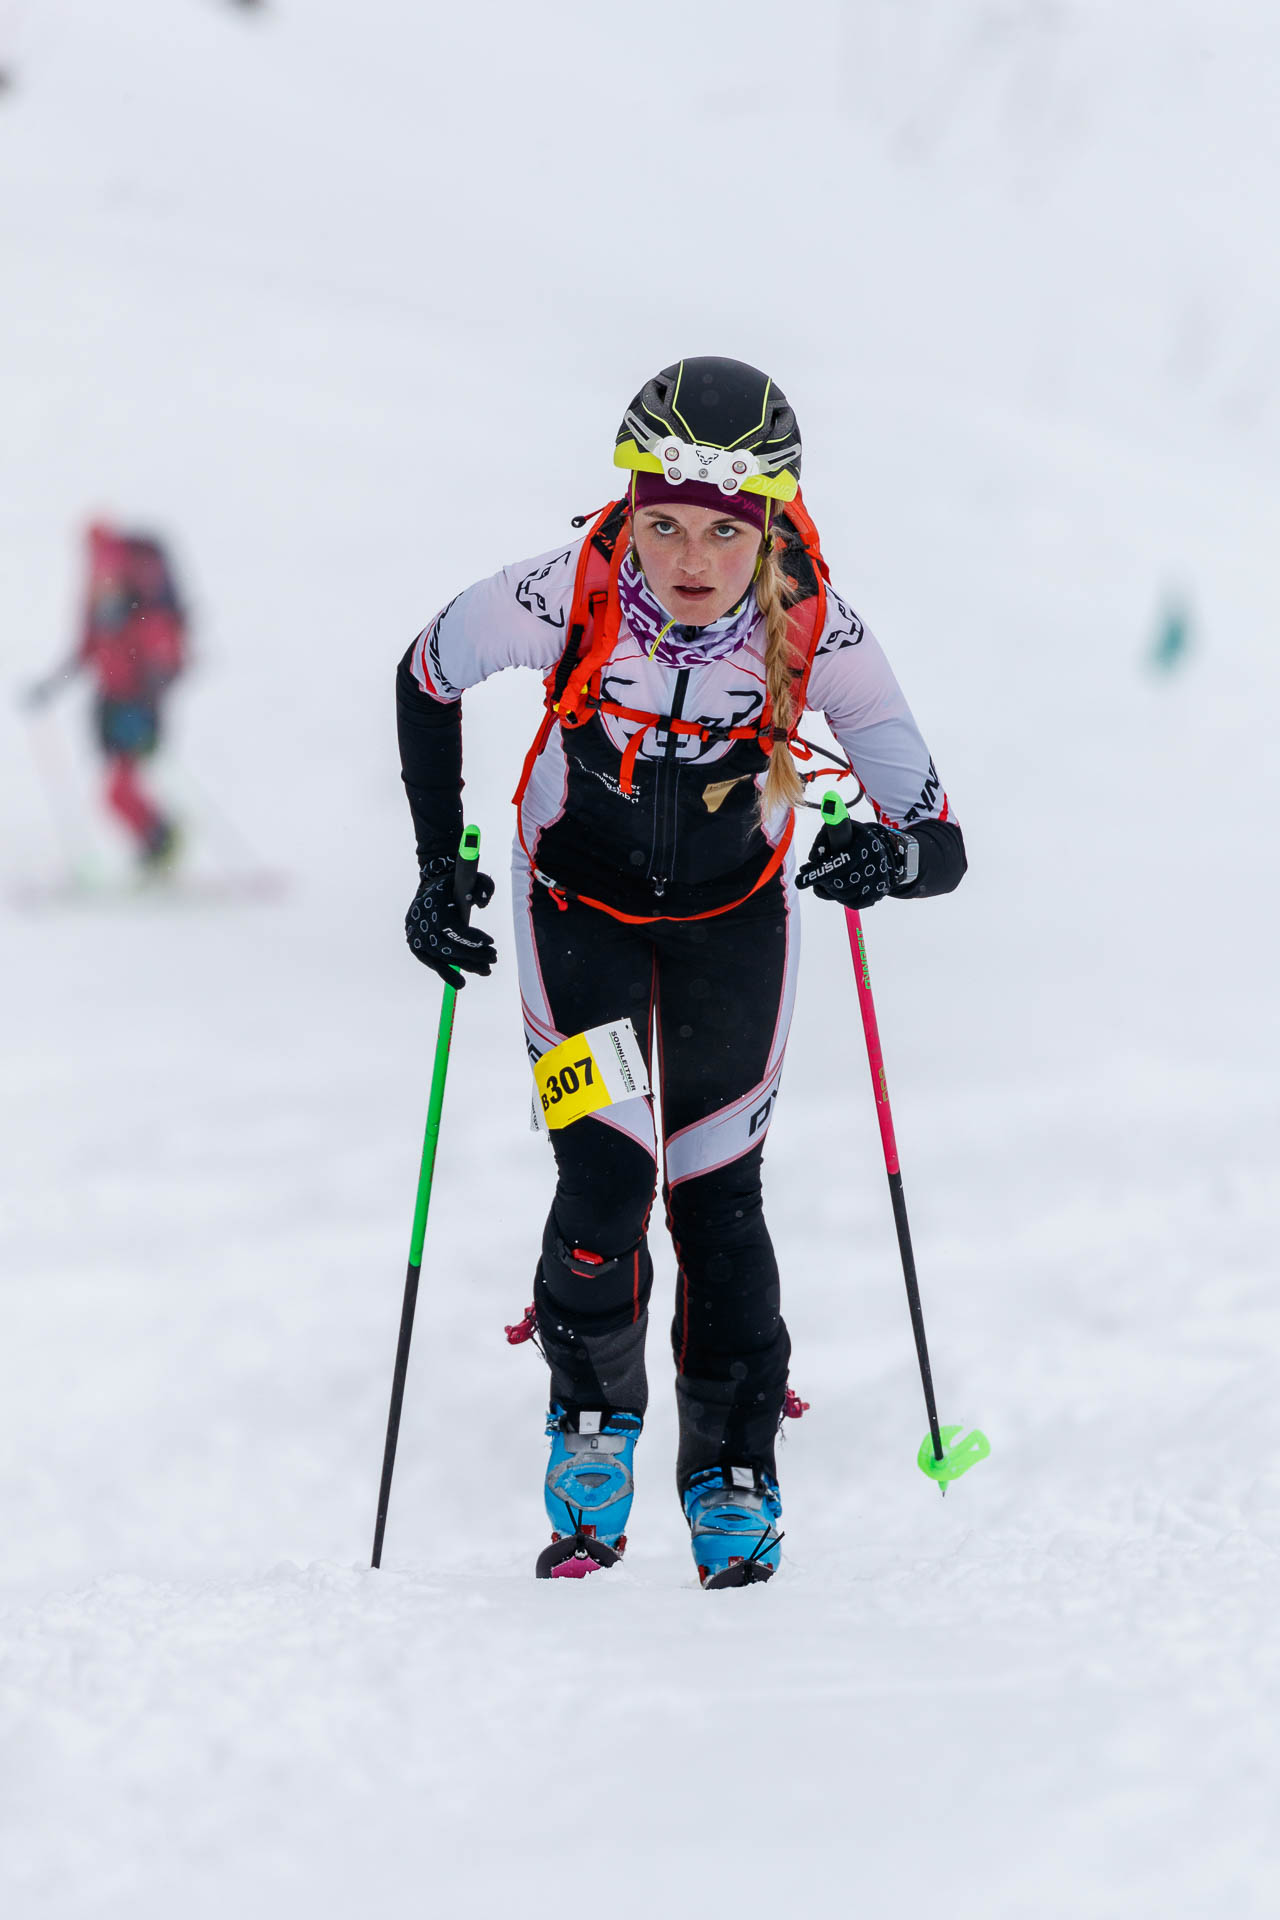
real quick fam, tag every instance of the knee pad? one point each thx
(597, 1290)
(592, 1318)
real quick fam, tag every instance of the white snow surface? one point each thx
(348, 300)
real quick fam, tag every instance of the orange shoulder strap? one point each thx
(594, 587)
(594, 617)
(809, 616)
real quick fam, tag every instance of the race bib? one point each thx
(590, 1071)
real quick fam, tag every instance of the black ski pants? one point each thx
(711, 1002)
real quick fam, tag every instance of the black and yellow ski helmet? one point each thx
(716, 422)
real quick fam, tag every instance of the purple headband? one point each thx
(654, 489)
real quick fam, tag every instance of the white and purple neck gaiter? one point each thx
(666, 640)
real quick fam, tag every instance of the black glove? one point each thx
(853, 863)
(436, 924)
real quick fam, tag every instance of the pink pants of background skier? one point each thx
(126, 798)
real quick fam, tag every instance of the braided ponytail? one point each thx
(783, 786)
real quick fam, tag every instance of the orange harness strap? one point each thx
(646, 722)
(712, 913)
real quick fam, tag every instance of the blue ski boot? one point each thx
(588, 1490)
(733, 1515)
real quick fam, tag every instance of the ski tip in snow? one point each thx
(573, 1556)
(739, 1573)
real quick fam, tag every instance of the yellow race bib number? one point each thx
(592, 1070)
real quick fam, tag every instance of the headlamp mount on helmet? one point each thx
(728, 468)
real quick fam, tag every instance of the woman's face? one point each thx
(697, 560)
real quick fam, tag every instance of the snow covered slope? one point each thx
(288, 283)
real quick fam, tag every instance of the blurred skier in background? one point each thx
(681, 641)
(133, 643)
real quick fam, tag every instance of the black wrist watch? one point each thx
(906, 859)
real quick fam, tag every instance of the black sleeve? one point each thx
(942, 860)
(430, 763)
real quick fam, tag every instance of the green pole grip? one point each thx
(464, 872)
(838, 820)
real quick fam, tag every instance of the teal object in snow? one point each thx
(1173, 640)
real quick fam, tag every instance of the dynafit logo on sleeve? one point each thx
(926, 807)
(428, 646)
(545, 592)
(844, 629)
(440, 679)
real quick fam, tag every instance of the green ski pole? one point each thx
(464, 880)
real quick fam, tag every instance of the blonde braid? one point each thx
(783, 786)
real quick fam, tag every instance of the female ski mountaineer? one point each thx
(681, 639)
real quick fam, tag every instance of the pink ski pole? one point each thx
(948, 1461)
